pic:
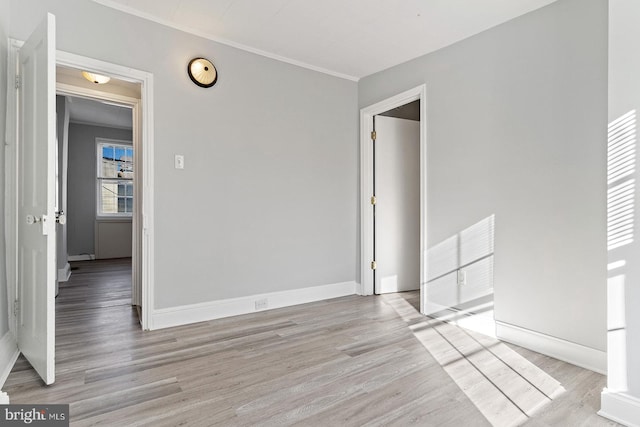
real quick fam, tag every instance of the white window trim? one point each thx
(99, 214)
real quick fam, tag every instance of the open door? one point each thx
(36, 200)
(397, 207)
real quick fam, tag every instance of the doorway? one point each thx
(396, 207)
(369, 285)
(95, 182)
(98, 139)
(131, 89)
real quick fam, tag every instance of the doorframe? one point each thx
(366, 285)
(133, 103)
(144, 119)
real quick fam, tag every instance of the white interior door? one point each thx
(397, 209)
(36, 200)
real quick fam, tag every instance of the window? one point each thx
(115, 179)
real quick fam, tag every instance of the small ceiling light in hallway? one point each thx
(95, 78)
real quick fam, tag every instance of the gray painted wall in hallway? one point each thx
(4, 27)
(62, 122)
(81, 199)
(516, 121)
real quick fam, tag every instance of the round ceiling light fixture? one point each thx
(96, 78)
(202, 72)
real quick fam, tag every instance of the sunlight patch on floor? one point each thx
(503, 385)
(478, 318)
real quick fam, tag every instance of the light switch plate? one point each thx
(179, 162)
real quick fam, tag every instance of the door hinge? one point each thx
(16, 308)
(373, 135)
(18, 82)
(373, 265)
(373, 200)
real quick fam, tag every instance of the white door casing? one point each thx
(397, 209)
(366, 184)
(143, 221)
(36, 200)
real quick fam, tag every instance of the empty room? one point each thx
(337, 213)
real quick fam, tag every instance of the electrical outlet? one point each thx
(462, 277)
(261, 304)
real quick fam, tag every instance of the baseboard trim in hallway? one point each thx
(64, 273)
(8, 355)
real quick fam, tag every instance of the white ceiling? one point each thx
(98, 113)
(347, 38)
(87, 111)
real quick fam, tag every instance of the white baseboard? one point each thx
(64, 273)
(620, 407)
(201, 312)
(576, 354)
(83, 257)
(8, 355)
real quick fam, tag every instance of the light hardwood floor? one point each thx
(344, 362)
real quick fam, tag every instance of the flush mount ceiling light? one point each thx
(202, 72)
(95, 78)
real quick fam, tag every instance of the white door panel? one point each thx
(36, 200)
(397, 210)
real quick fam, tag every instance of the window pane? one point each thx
(120, 160)
(129, 169)
(107, 151)
(108, 168)
(125, 158)
(115, 163)
(109, 196)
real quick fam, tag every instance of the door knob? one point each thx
(33, 219)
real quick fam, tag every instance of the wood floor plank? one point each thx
(348, 361)
(109, 402)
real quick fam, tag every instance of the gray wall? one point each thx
(4, 26)
(62, 129)
(267, 200)
(624, 96)
(517, 128)
(81, 199)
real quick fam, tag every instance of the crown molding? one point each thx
(149, 17)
